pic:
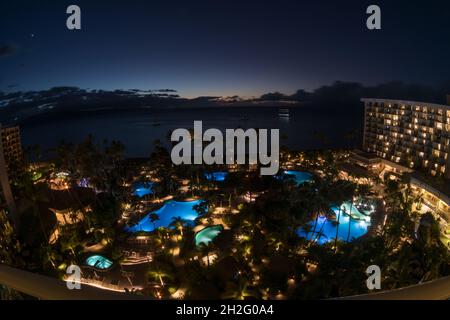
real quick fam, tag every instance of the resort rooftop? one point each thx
(407, 102)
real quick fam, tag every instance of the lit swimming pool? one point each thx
(327, 228)
(169, 210)
(206, 235)
(216, 176)
(141, 189)
(299, 176)
(99, 262)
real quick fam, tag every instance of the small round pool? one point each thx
(99, 262)
(141, 189)
(216, 176)
(208, 234)
(299, 176)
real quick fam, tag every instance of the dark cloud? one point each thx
(166, 90)
(300, 95)
(352, 92)
(7, 50)
(273, 96)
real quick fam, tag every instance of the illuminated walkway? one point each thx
(44, 287)
(47, 288)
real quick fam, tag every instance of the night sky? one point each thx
(218, 47)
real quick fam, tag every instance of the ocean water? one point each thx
(307, 128)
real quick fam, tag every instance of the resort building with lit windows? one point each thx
(10, 152)
(413, 138)
(414, 134)
(12, 147)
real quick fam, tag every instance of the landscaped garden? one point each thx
(194, 231)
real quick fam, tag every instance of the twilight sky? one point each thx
(221, 47)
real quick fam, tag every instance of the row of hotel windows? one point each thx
(423, 138)
(439, 114)
(381, 118)
(416, 108)
(399, 115)
(421, 154)
(433, 167)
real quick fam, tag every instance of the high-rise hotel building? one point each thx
(10, 152)
(413, 134)
(12, 147)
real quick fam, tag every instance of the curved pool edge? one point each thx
(147, 226)
(217, 229)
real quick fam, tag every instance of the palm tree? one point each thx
(206, 249)
(338, 225)
(201, 208)
(35, 193)
(178, 223)
(349, 194)
(69, 240)
(9, 246)
(153, 218)
(50, 256)
(318, 199)
(159, 275)
(350, 219)
(238, 291)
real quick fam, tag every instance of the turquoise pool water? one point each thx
(327, 228)
(141, 189)
(99, 262)
(299, 176)
(206, 235)
(169, 210)
(216, 176)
